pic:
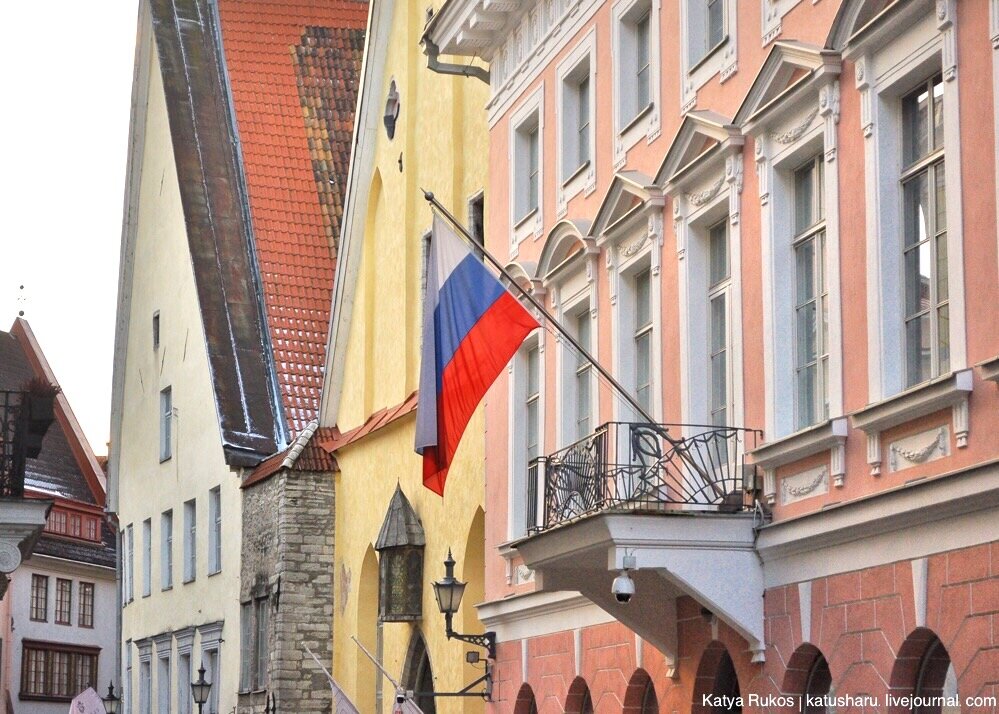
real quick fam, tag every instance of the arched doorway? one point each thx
(640, 697)
(418, 675)
(526, 703)
(578, 700)
(716, 676)
(808, 675)
(923, 669)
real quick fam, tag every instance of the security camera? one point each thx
(400, 697)
(623, 588)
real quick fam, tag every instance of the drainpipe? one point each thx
(434, 65)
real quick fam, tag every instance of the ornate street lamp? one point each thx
(111, 701)
(448, 592)
(201, 688)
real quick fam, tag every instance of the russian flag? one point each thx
(471, 328)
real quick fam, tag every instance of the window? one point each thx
(91, 528)
(643, 339)
(64, 602)
(528, 168)
(163, 683)
(56, 672)
(75, 525)
(145, 687)
(924, 251)
(39, 598)
(477, 218)
(718, 353)
(215, 531)
(190, 541)
(166, 550)
(166, 413)
(184, 699)
(210, 658)
(634, 73)
(811, 311)
(584, 375)
(576, 119)
(706, 28)
(147, 557)
(129, 563)
(86, 618)
(533, 403)
(156, 330)
(262, 644)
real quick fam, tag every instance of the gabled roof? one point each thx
(66, 467)
(261, 95)
(701, 133)
(789, 65)
(626, 196)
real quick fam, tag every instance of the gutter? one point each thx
(432, 51)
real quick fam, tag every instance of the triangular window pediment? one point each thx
(700, 137)
(627, 196)
(789, 65)
(853, 16)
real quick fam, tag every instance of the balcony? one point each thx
(678, 501)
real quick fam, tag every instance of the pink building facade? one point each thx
(774, 222)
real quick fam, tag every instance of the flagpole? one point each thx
(432, 200)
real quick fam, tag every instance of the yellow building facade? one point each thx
(414, 129)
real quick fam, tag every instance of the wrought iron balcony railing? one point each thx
(644, 467)
(13, 443)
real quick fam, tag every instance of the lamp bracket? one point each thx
(487, 641)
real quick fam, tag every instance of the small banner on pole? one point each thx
(87, 702)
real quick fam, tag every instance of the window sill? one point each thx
(708, 56)
(637, 118)
(167, 589)
(215, 572)
(185, 581)
(163, 459)
(576, 173)
(989, 369)
(522, 221)
(951, 390)
(825, 436)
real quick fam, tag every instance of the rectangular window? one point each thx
(156, 330)
(246, 649)
(184, 698)
(706, 28)
(147, 557)
(211, 662)
(64, 602)
(643, 339)
(86, 618)
(215, 530)
(145, 687)
(39, 598)
(56, 672)
(634, 74)
(75, 525)
(166, 550)
(528, 167)
(718, 284)
(533, 403)
(477, 218)
(716, 23)
(92, 526)
(811, 312)
(584, 375)
(576, 97)
(129, 563)
(163, 685)
(166, 414)
(262, 643)
(924, 258)
(190, 541)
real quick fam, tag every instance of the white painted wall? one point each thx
(164, 282)
(102, 635)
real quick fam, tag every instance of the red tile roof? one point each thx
(293, 67)
(331, 439)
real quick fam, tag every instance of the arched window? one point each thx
(526, 703)
(808, 675)
(578, 700)
(936, 679)
(418, 676)
(923, 669)
(640, 697)
(716, 676)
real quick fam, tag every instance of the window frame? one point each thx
(190, 541)
(166, 424)
(519, 488)
(39, 595)
(166, 549)
(147, 557)
(75, 654)
(632, 122)
(720, 58)
(63, 602)
(85, 609)
(215, 530)
(575, 174)
(719, 289)
(528, 118)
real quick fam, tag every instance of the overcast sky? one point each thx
(66, 74)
